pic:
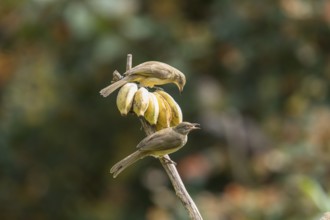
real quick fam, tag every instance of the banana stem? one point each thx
(171, 170)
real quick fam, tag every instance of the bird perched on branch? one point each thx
(149, 74)
(158, 144)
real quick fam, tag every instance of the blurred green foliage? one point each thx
(258, 82)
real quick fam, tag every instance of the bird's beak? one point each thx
(180, 87)
(195, 126)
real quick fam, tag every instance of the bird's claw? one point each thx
(158, 88)
(169, 161)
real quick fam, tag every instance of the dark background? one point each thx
(257, 81)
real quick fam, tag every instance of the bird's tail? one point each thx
(111, 88)
(127, 161)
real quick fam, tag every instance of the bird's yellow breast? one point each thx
(161, 153)
(151, 81)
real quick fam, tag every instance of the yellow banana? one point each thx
(152, 112)
(125, 98)
(165, 113)
(176, 110)
(141, 101)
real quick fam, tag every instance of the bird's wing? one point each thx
(161, 140)
(152, 69)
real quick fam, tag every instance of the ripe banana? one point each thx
(125, 98)
(165, 113)
(152, 112)
(176, 110)
(141, 101)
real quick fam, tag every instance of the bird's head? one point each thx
(186, 127)
(179, 80)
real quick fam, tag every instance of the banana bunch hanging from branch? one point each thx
(158, 107)
(159, 112)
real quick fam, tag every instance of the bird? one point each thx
(158, 144)
(149, 74)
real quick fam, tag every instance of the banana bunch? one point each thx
(158, 107)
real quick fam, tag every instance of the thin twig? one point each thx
(129, 62)
(171, 170)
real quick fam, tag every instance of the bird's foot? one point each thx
(169, 161)
(158, 88)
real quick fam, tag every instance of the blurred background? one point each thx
(258, 76)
